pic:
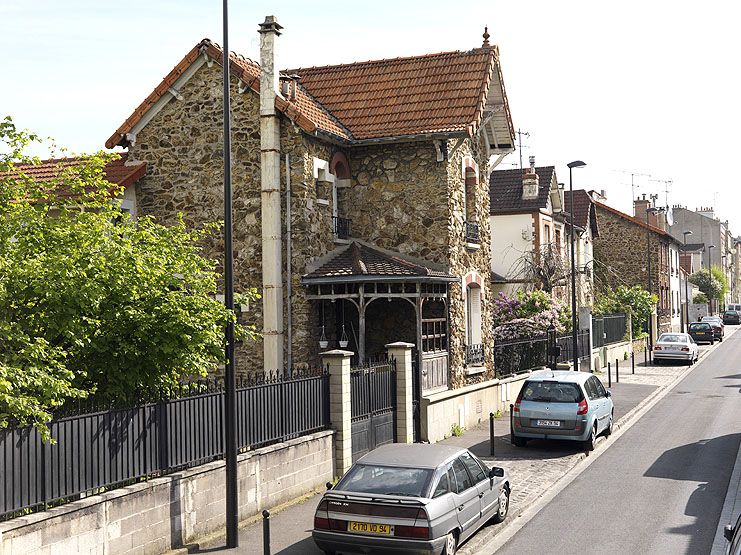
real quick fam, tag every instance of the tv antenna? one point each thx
(520, 133)
(667, 185)
(633, 185)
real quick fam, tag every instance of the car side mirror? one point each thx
(608, 393)
(728, 532)
(329, 486)
(496, 472)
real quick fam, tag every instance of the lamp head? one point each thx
(576, 164)
(685, 233)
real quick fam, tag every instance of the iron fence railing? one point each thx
(608, 329)
(102, 450)
(342, 227)
(567, 346)
(472, 232)
(516, 356)
(474, 355)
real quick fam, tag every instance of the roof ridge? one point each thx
(386, 60)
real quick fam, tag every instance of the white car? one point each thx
(676, 346)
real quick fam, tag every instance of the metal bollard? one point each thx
(609, 375)
(632, 362)
(491, 434)
(266, 532)
(645, 356)
(617, 370)
(511, 420)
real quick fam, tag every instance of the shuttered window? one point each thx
(473, 309)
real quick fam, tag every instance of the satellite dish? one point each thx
(669, 216)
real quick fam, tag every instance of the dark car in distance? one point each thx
(716, 322)
(701, 332)
(731, 317)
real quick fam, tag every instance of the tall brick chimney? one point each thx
(640, 205)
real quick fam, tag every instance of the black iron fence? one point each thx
(102, 450)
(373, 405)
(472, 232)
(474, 355)
(516, 356)
(608, 329)
(567, 346)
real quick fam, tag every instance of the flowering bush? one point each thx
(530, 314)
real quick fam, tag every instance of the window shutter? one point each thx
(474, 315)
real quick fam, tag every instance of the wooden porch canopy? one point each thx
(361, 273)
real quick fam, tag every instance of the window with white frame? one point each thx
(473, 314)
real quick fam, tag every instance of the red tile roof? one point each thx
(636, 221)
(435, 93)
(116, 171)
(584, 211)
(438, 93)
(359, 260)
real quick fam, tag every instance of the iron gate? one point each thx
(373, 402)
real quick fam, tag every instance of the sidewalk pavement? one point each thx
(533, 469)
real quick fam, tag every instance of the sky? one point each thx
(643, 87)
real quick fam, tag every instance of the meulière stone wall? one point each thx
(620, 256)
(464, 259)
(183, 147)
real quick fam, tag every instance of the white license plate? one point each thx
(549, 423)
(671, 348)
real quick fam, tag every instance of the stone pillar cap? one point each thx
(399, 344)
(336, 353)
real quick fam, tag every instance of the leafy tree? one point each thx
(635, 301)
(700, 298)
(712, 283)
(93, 303)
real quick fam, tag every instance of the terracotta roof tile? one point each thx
(584, 211)
(116, 171)
(359, 260)
(505, 190)
(636, 221)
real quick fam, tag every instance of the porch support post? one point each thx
(402, 353)
(340, 406)
(361, 323)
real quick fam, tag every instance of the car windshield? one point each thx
(699, 327)
(551, 392)
(386, 480)
(672, 338)
(710, 319)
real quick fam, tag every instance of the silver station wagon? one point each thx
(410, 498)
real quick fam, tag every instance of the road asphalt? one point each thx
(537, 467)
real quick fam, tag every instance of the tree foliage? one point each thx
(712, 283)
(635, 301)
(93, 303)
(700, 298)
(544, 269)
(528, 313)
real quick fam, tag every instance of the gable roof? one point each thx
(505, 190)
(120, 171)
(636, 221)
(360, 261)
(451, 93)
(584, 211)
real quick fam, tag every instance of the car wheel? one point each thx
(721, 339)
(590, 443)
(451, 542)
(518, 441)
(503, 508)
(608, 430)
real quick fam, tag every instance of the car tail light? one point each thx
(583, 407)
(686, 349)
(420, 531)
(657, 348)
(321, 518)
(516, 408)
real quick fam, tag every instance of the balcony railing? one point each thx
(474, 355)
(341, 227)
(471, 232)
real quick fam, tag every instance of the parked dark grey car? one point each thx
(411, 498)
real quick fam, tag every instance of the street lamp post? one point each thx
(710, 268)
(686, 290)
(574, 319)
(650, 210)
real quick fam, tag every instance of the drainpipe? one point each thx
(272, 280)
(289, 274)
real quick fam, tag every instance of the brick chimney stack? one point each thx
(640, 205)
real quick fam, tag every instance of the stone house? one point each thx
(360, 197)
(527, 226)
(621, 254)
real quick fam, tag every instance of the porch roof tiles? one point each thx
(362, 262)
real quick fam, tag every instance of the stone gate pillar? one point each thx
(402, 353)
(340, 407)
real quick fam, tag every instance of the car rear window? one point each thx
(699, 327)
(672, 338)
(551, 392)
(388, 480)
(731, 313)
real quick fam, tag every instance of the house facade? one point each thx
(622, 252)
(586, 230)
(360, 197)
(527, 227)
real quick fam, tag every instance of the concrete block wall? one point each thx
(164, 513)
